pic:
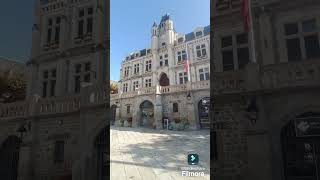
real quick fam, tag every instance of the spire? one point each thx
(154, 24)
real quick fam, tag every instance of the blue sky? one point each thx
(16, 19)
(131, 22)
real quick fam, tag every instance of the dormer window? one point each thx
(199, 33)
(180, 40)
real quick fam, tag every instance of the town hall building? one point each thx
(156, 86)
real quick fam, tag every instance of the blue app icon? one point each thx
(193, 159)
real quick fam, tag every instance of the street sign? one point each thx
(309, 126)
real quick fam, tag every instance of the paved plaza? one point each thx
(147, 154)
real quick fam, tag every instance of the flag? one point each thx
(246, 15)
(186, 64)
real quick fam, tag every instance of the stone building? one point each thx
(60, 130)
(266, 112)
(154, 85)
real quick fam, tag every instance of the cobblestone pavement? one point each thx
(147, 154)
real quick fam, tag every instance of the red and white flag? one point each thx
(246, 15)
(186, 64)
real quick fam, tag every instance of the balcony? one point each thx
(293, 74)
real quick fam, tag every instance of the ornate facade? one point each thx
(60, 130)
(154, 85)
(266, 113)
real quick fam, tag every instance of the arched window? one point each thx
(175, 107)
(164, 80)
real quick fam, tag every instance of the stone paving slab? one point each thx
(147, 154)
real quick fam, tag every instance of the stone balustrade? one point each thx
(147, 90)
(15, 109)
(59, 104)
(229, 82)
(293, 74)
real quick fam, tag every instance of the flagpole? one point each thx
(253, 46)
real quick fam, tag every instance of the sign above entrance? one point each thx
(307, 126)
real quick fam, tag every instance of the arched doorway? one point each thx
(164, 80)
(147, 114)
(301, 147)
(101, 142)
(9, 158)
(203, 111)
(113, 114)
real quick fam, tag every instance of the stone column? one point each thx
(191, 113)
(158, 109)
(135, 117)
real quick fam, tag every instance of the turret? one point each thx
(166, 30)
(154, 43)
(36, 30)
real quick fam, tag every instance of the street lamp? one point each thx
(189, 96)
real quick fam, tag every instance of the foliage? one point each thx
(12, 89)
(114, 88)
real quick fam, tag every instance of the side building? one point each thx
(60, 130)
(267, 108)
(155, 84)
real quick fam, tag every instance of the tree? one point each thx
(113, 88)
(12, 89)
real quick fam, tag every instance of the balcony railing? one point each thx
(15, 109)
(59, 104)
(293, 74)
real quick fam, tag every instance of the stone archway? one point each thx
(164, 80)
(300, 140)
(147, 114)
(9, 158)
(203, 112)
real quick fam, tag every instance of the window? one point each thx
(136, 69)
(125, 87)
(148, 65)
(183, 78)
(306, 36)
(85, 22)
(175, 107)
(89, 25)
(49, 30)
(235, 49)
(59, 152)
(49, 82)
(80, 28)
(166, 60)
(135, 85)
(44, 89)
(201, 51)
(163, 44)
(161, 61)
(52, 87)
(204, 74)
(182, 55)
(128, 109)
(199, 33)
(148, 82)
(180, 40)
(87, 66)
(126, 71)
(57, 30)
(77, 84)
(242, 50)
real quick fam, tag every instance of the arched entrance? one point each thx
(203, 111)
(301, 147)
(164, 80)
(9, 158)
(147, 114)
(101, 142)
(113, 114)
